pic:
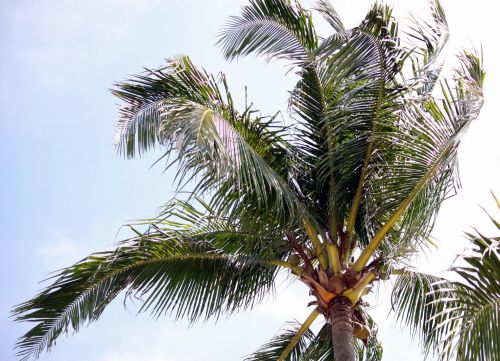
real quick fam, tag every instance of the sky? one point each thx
(64, 193)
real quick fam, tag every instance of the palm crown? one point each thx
(339, 196)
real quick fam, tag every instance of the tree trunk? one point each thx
(341, 321)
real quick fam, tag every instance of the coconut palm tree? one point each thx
(337, 197)
(459, 319)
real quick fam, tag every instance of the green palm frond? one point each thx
(479, 333)
(274, 28)
(441, 137)
(374, 110)
(337, 102)
(198, 221)
(231, 154)
(372, 350)
(477, 318)
(456, 320)
(422, 153)
(330, 14)
(308, 103)
(273, 349)
(320, 347)
(185, 273)
(364, 104)
(144, 97)
(288, 345)
(418, 300)
(428, 41)
(310, 347)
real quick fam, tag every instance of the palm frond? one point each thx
(418, 301)
(456, 320)
(330, 14)
(273, 349)
(477, 330)
(427, 42)
(200, 222)
(320, 347)
(341, 99)
(236, 154)
(384, 95)
(184, 273)
(274, 28)
(364, 104)
(372, 350)
(422, 153)
(288, 345)
(139, 123)
(308, 104)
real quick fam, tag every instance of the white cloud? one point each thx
(290, 302)
(60, 251)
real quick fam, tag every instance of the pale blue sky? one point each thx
(64, 193)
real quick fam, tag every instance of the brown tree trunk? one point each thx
(341, 321)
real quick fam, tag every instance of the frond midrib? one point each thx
(370, 148)
(55, 323)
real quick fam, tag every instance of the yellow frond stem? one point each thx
(305, 326)
(318, 247)
(333, 258)
(333, 227)
(206, 116)
(357, 196)
(369, 151)
(398, 272)
(497, 200)
(354, 293)
(281, 264)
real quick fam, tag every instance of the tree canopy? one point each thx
(340, 195)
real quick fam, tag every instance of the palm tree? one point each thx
(460, 319)
(338, 197)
